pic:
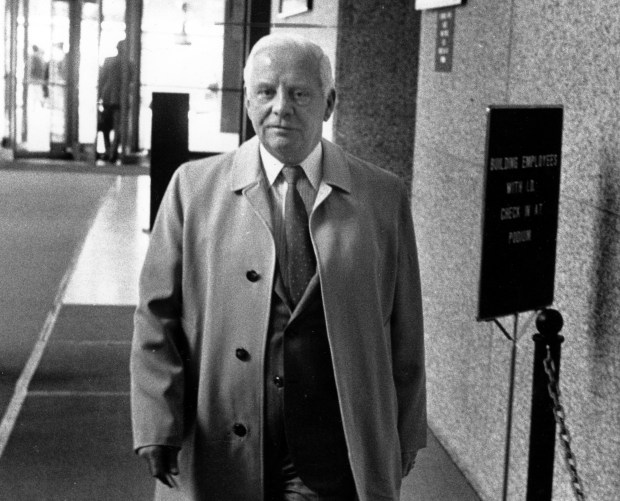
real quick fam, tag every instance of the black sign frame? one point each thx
(520, 209)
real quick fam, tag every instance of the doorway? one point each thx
(53, 77)
(55, 49)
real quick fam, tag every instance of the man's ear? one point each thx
(329, 105)
(246, 99)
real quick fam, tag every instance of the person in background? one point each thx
(39, 72)
(278, 348)
(112, 82)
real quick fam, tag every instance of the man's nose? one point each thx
(282, 103)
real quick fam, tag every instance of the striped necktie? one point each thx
(300, 263)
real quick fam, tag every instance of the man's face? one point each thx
(286, 104)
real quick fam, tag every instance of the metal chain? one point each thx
(560, 419)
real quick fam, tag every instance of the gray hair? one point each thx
(286, 40)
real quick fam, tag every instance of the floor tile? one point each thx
(75, 448)
(78, 322)
(83, 367)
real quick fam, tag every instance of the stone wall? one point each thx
(522, 52)
(377, 69)
(373, 47)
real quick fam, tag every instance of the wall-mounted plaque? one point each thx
(444, 43)
(520, 210)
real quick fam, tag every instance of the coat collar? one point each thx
(246, 166)
(336, 171)
(247, 177)
(247, 169)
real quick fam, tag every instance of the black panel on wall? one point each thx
(169, 142)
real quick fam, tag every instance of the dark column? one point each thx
(232, 79)
(72, 78)
(258, 24)
(131, 88)
(169, 142)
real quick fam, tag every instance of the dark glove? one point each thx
(162, 461)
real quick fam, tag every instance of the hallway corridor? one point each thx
(72, 246)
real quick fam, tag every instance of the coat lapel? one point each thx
(248, 177)
(336, 179)
(336, 170)
(305, 300)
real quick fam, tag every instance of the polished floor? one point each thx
(109, 264)
(65, 432)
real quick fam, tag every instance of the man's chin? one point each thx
(284, 150)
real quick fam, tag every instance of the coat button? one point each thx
(278, 381)
(242, 354)
(239, 430)
(252, 276)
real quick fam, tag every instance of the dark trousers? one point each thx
(284, 484)
(110, 120)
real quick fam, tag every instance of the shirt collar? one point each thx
(311, 165)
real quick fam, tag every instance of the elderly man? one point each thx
(278, 346)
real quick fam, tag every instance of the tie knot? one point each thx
(292, 173)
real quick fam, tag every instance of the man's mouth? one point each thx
(280, 127)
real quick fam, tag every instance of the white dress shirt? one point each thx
(307, 186)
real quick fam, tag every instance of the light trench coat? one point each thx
(205, 293)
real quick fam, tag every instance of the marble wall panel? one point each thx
(452, 106)
(376, 77)
(522, 53)
(568, 54)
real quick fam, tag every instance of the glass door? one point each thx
(113, 30)
(58, 79)
(57, 49)
(88, 69)
(53, 77)
(33, 93)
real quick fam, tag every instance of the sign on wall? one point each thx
(520, 210)
(435, 4)
(444, 42)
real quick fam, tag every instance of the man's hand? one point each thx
(162, 461)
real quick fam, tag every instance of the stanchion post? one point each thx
(542, 432)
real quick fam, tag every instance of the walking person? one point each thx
(278, 349)
(112, 82)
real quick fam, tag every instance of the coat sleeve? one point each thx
(157, 354)
(408, 341)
